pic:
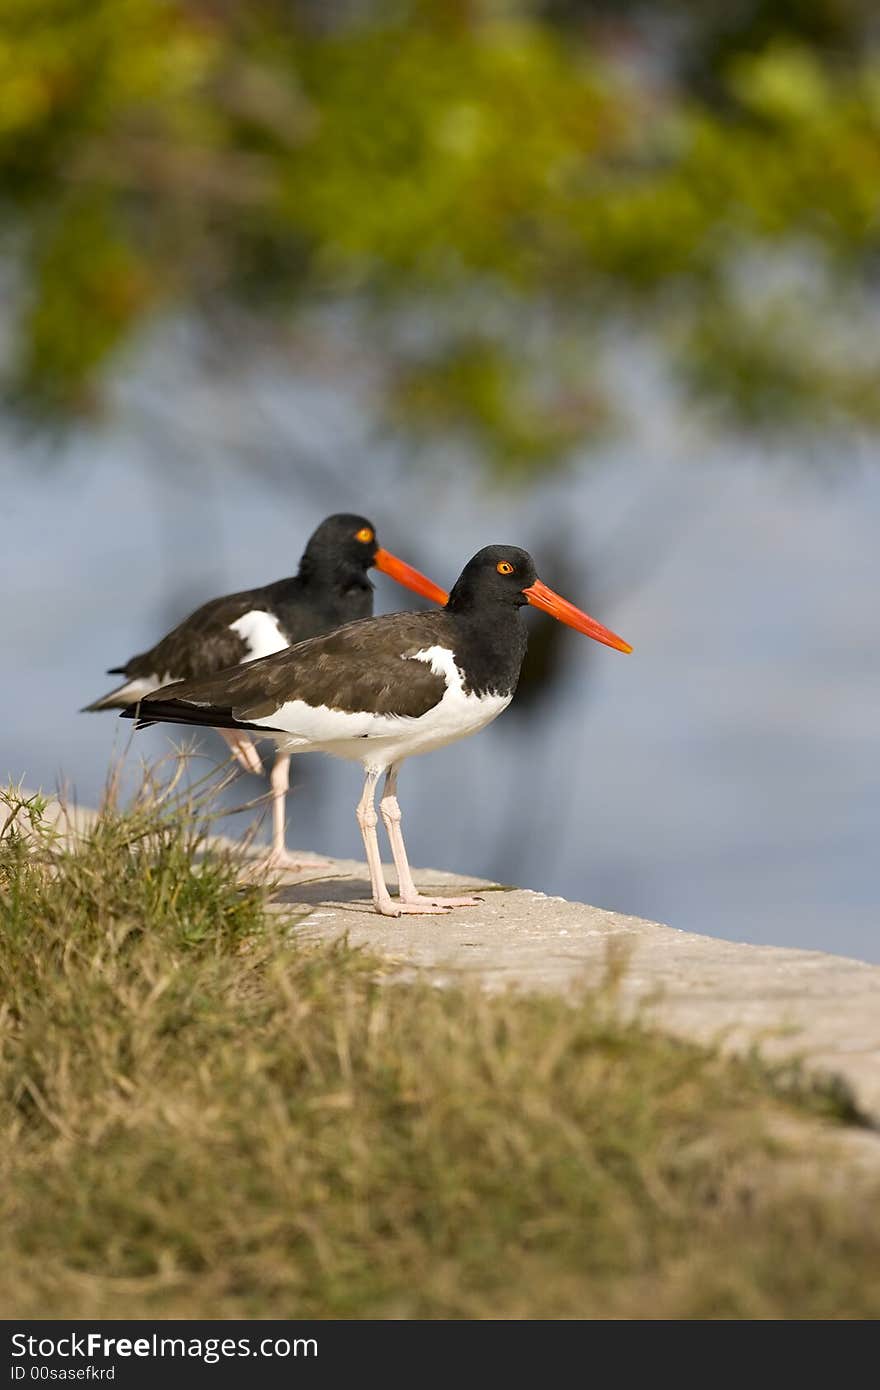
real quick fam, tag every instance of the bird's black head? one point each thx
(344, 547)
(503, 576)
(497, 575)
(343, 542)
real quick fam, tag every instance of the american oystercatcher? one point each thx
(380, 690)
(332, 587)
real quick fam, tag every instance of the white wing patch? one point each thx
(442, 662)
(260, 633)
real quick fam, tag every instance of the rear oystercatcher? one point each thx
(332, 587)
(380, 690)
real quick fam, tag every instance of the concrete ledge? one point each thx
(824, 1009)
(821, 1008)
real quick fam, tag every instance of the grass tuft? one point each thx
(203, 1117)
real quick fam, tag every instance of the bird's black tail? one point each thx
(147, 712)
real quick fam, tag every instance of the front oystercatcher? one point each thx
(332, 587)
(380, 690)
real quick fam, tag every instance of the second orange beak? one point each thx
(409, 577)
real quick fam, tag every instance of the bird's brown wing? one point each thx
(201, 644)
(367, 666)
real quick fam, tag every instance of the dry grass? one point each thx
(203, 1118)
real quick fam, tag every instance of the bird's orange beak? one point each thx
(541, 597)
(409, 577)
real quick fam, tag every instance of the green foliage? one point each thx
(158, 155)
(479, 387)
(202, 1115)
(131, 871)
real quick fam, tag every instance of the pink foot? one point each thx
(444, 902)
(395, 908)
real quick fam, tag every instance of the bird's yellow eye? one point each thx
(365, 534)
(504, 567)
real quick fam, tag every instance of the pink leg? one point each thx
(368, 820)
(243, 750)
(278, 857)
(391, 815)
(280, 782)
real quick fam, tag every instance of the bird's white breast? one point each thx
(459, 713)
(260, 633)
